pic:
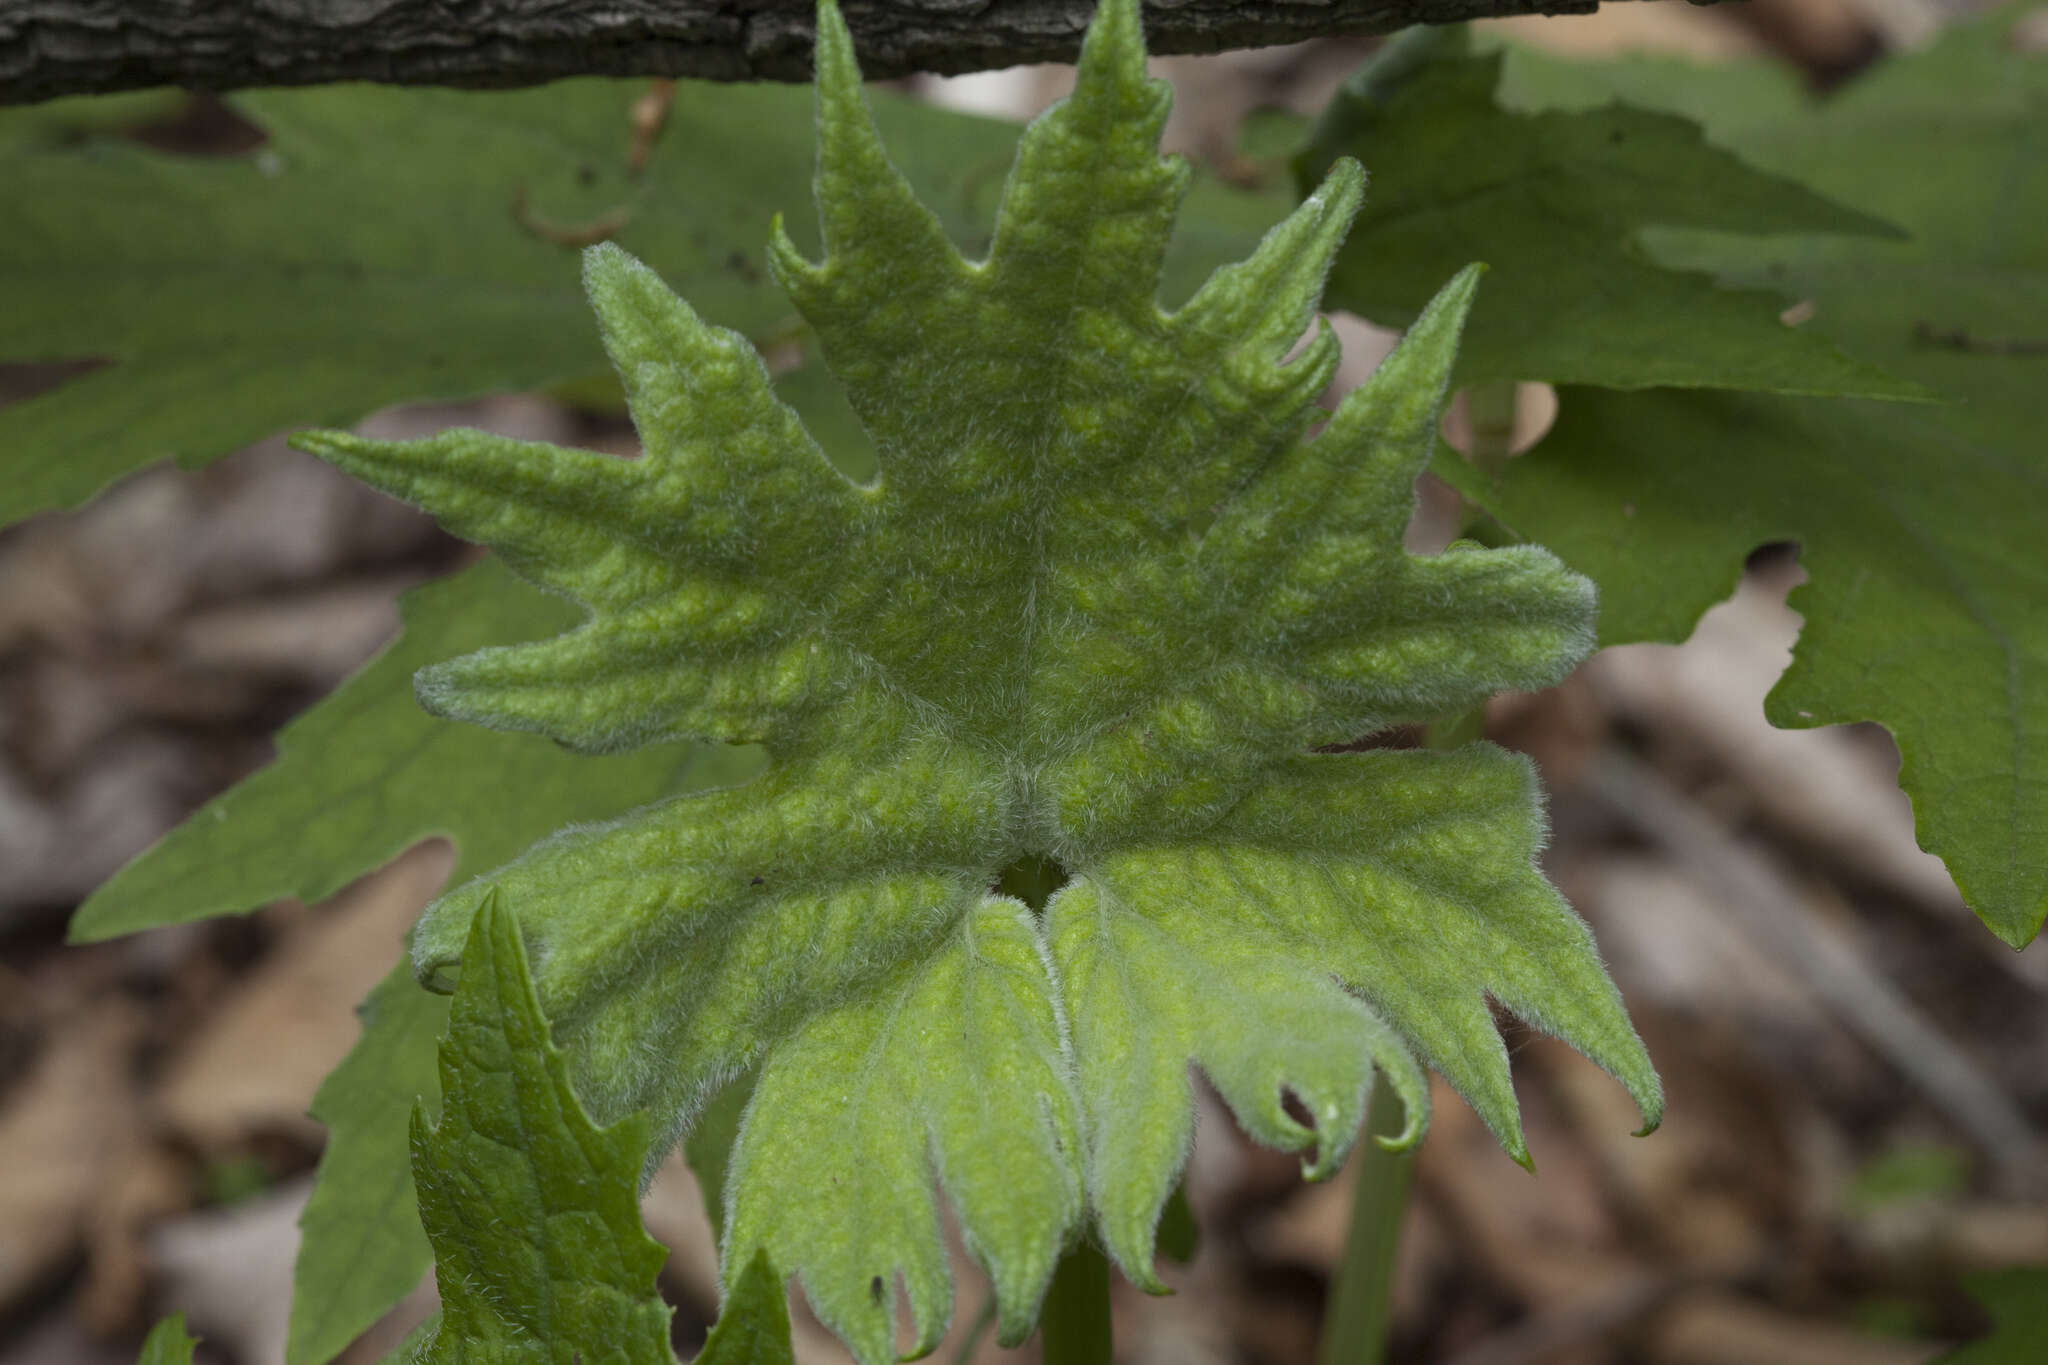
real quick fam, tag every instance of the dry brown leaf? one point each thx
(67, 1127)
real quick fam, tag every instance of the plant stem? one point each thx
(1490, 409)
(1073, 1328)
(1356, 1321)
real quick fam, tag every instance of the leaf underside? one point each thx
(1116, 578)
(1919, 525)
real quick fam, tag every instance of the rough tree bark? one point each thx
(65, 47)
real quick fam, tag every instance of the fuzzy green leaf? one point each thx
(1554, 202)
(533, 1210)
(1920, 526)
(391, 246)
(167, 1343)
(1108, 589)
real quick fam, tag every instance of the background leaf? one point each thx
(1920, 526)
(167, 1343)
(362, 1248)
(753, 1322)
(366, 774)
(2018, 1300)
(390, 245)
(1553, 201)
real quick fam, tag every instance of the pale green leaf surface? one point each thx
(533, 1210)
(1108, 586)
(1407, 876)
(1554, 201)
(391, 246)
(1000, 1136)
(167, 1343)
(1919, 527)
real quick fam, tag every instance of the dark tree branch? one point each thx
(68, 47)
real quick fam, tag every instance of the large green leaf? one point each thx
(1102, 598)
(533, 1210)
(1920, 526)
(396, 245)
(1554, 201)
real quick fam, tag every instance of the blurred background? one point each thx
(1853, 1062)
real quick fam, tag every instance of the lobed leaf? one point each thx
(1115, 575)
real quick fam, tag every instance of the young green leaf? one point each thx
(1109, 590)
(1919, 526)
(753, 1322)
(532, 1209)
(167, 1343)
(389, 246)
(1554, 202)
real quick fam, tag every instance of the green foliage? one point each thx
(361, 1247)
(532, 1209)
(1919, 525)
(167, 1343)
(1103, 597)
(359, 779)
(1554, 202)
(753, 1322)
(390, 246)
(367, 774)
(2018, 1300)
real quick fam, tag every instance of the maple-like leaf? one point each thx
(1107, 596)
